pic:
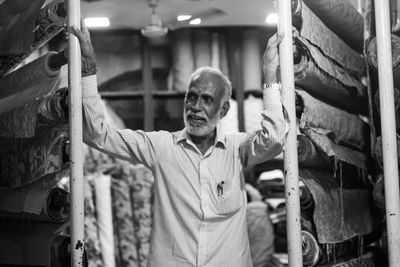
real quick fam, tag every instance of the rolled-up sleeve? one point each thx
(267, 143)
(134, 146)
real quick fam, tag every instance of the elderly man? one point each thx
(199, 190)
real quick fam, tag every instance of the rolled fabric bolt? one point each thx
(327, 80)
(102, 185)
(55, 209)
(182, 59)
(342, 18)
(341, 126)
(312, 28)
(28, 83)
(311, 250)
(33, 198)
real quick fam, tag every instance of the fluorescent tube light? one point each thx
(97, 22)
(272, 18)
(183, 17)
(195, 21)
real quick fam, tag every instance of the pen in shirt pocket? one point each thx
(220, 188)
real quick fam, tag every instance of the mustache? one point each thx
(198, 114)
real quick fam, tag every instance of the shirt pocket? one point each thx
(230, 200)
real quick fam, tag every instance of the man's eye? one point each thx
(207, 99)
(191, 97)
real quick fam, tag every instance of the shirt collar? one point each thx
(184, 135)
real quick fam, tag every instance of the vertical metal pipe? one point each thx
(388, 125)
(292, 195)
(75, 136)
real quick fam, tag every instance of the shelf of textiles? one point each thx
(33, 159)
(34, 209)
(340, 219)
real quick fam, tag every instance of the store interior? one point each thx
(146, 51)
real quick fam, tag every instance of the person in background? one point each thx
(260, 229)
(199, 190)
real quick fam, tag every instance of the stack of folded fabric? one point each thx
(334, 145)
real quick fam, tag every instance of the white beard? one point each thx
(203, 130)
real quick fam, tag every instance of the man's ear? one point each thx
(224, 109)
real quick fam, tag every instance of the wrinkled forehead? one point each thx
(207, 81)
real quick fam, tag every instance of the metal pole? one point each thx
(292, 195)
(75, 135)
(388, 125)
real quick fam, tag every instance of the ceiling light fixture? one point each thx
(183, 17)
(154, 28)
(195, 21)
(272, 18)
(97, 22)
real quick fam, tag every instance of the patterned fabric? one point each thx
(185, 182)
(53, 109)
(27, 84)
(372, 55)
(19, 122)
(28, 35)
(92, 243)
(126, 254)
(24, 121)
(141, 193)
(27, 159)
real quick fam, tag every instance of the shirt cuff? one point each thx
(89, 86)
(271, 96)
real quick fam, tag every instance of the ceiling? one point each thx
(134, 14)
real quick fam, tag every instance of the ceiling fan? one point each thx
(154, 28)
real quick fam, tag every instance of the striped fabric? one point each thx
(199, 200)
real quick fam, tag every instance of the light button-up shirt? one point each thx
(195, 223)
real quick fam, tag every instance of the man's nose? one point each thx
(197, 105)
